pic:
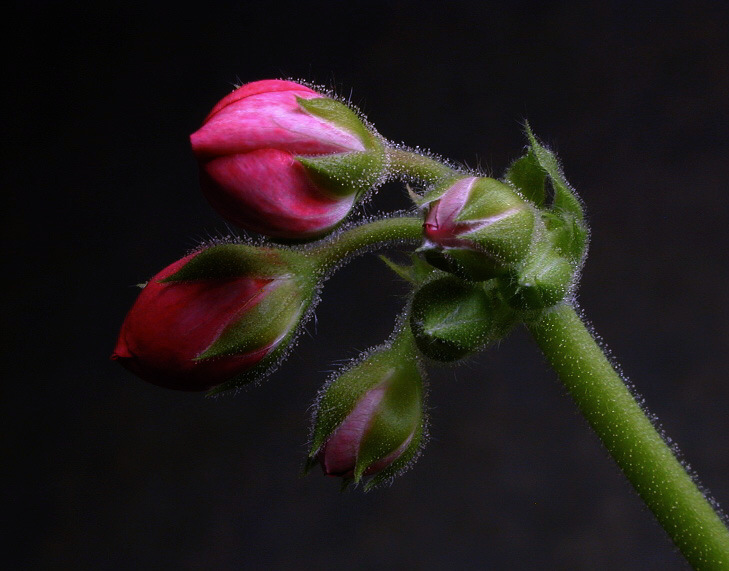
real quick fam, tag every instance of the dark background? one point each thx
(101, 191)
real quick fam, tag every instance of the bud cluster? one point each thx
(290, 163)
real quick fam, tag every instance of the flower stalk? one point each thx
(330, 253)
(631, 439)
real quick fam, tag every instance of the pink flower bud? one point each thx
(369, 419)
(446, 224)
(195, 334)
(248, 150)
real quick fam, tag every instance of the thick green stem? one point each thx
(330, 253)
(421, 167)
(632, 440)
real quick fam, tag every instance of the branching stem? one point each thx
(365, 237)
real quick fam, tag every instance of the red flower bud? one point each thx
(265, 154)
(189, 332)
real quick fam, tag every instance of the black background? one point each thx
(101, 193)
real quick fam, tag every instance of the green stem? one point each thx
(632, 440)
(330, 253)
(421, 167)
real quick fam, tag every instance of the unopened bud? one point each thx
(221, 317)
(451, 318)
(369, 419)
(278, 158)
(477, 228)
(542, 281)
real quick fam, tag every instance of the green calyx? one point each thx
(542, 281)
(452, 319)
(340, 115)
(281, 305)
(398, 419)
(226, 261)
(508, 237)
(396, 425)
(350, 173)
(345, 174)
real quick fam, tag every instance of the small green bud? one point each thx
(451, 318)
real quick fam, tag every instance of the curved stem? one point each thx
(337, 248)
(421, 167)
(632, 440)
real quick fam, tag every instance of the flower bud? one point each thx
(542, 281)
(476, 228)
(451, 318)
(221, 317)
(278, 158)
(369, 419)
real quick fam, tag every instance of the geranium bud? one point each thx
(451, 318)
(221, 317)
(543, 279)
(278, 158)
(369, 419)
(477, 228)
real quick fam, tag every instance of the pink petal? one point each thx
(268, 191)
(264, 86)
(271, 120)
(339, 455)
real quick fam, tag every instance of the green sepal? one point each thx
(309, 463)
(265, 365)
(451, 319)
(472, 265)
(339, 114)
(397, 419)
(418, 200)
(542, 281)
(565, 199)
(506, 239)
(231, 261)
(527, 176)
(279, 308)
(403, 461)
(345, 174)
